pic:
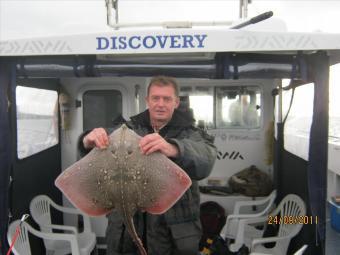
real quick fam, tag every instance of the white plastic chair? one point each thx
(231, 229)
(291, 207)
(40, 208)
(22, 245)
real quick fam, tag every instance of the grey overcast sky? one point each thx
(35, 18)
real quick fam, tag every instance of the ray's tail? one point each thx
(132, 231)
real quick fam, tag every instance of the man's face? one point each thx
(161, 102)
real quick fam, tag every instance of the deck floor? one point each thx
(332, 239)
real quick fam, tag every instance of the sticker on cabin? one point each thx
(136, 42)
(234, 155)
(236, 137)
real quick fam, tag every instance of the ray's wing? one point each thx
(160, 182)
(166, 182)
(87, 182)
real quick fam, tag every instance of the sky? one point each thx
(36, 18)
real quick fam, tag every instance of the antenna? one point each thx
(244, 8)
(113, 19)
(254, 20)
(110, 6)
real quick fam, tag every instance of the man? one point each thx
(171, 132)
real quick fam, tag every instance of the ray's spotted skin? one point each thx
(121, 177)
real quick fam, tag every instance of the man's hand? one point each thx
(96, 138)
(154, 142)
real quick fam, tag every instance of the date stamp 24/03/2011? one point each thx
(289, 219)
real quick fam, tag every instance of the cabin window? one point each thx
(298, 124)
(238, 107)
(198, 102)
(224, 107)
(299, 119)
(37, 120)
(101, 108)
(334, 109)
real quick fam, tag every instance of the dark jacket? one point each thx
(197, 155)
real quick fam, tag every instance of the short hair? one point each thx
(163, 81)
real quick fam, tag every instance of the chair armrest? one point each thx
(269, 199)
(56, 236)
(250, 221)
(244, 216)
(241, 224)
(254, 221)
(86, 218)
(264, 240)
(249, 203)
(240, 204)
(66, 209)
(239, 238)
(229, 221)
(63, 227)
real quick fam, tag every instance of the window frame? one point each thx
(127, 108)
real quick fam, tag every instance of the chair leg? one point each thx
(49, 252)
(94, 251)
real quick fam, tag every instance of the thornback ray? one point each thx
(123, 178)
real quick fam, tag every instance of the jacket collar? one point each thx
(179, 119)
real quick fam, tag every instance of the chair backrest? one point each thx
(290, 212)
(22, 244)
(40, 208)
